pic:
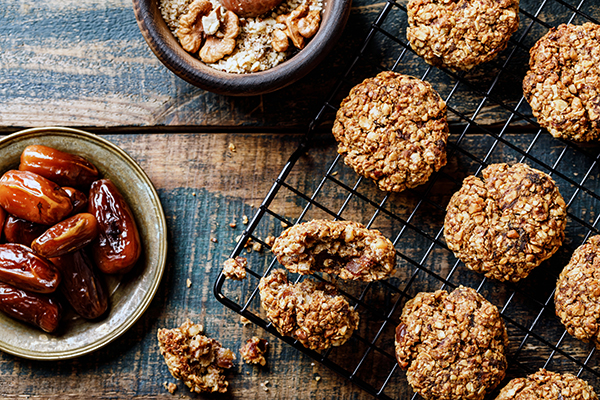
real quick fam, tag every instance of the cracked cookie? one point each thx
(546, 385)
(562, 85)
(392, 129)
(463, 33)
(452, 345)
(312, 313)
(505, 224)
(577, 296)
(254, 351)
(197, 360)
(343, 248)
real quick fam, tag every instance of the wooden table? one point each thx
(84, 64)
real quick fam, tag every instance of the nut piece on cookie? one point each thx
(312, 313)
(562, 85)
(197, 360)
(546, 385)
(392, 129)
(235, 268)
(342, 248)
(505, 224)
(577, 296)
(460, 34)
(452, 345)
(254, 351)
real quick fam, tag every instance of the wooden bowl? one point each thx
(169, 52)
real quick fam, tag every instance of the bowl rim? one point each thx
(166, 48)
(162, 250)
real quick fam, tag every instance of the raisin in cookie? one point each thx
(452, 345)
(463, 33)
(392, 129)
(563, 83)
(342, 248)
(577, 296)
(546, 385)
(312, 313)
(507, 223)
(197, 360)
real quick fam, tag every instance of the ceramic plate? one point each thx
(130, 294)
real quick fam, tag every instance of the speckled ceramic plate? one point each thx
(132, 293)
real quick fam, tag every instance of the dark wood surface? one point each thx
(85, 64)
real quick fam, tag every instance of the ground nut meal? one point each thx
(237, 44)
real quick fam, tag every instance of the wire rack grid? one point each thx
(489, 122)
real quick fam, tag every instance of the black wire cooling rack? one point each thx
(489, 122)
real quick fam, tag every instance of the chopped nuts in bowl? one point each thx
(233, 52)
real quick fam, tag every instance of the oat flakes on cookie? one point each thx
(460, 34)
(343, 248)
(562, 85)
(312, 313)
(452, 345)
(577, 296)
(392, 129)
(546, 385)
(197, 360)
(505, 224)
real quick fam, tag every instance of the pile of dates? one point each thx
(56, 237)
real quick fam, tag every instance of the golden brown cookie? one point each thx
(463, 33)
(342, 248)
(452, 345)
(507, 223)
(546, 385)
(577, 296)
(197, 360)
(312, 313)
(392, 129)
(562, 85)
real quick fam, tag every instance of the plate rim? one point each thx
(157, 278)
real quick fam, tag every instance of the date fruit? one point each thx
(36, 309)
(67, 236)
(81, 286)
(17, 230)
(63, 168)
(32, 197)
(118, 245)
(22, 268)
(78, 199)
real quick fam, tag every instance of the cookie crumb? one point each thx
(232, 148)
(188, 282)
(317, 378)
(269, 240)
(245, 219)
(334, 173)
(170, 386)
(284, 224)
(235, 268)
(245, 321)
(254, 351)
(214, 239)
(257, 247)
(232, 224)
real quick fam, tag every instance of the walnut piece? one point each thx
(191, 31)
(235, 268)
(253, 352)
(197, 360)
(280, 40)
(300, 24)
(312, 313)
(223, 42)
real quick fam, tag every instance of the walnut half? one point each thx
(223, 42)
(191, 31)
(300, 24)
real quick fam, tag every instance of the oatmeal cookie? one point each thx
(460, 34)
(577, 296)
(197, 360)
(392, 128)
(235, 268)
(342, 248)
(312, 313)
(546, 385)
(507, 223)
(562, 85)
(254, 351)
(452, 345)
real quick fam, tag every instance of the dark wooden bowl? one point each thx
(169, 52)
